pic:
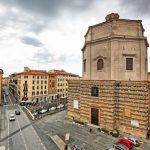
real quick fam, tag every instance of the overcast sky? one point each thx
(49, 34)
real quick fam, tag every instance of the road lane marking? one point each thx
(8, 129)
(10, 99)
(33, 129)
(21, 134)
(39, 139)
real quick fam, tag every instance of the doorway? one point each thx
(94, 116)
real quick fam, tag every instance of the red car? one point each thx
(126, 143)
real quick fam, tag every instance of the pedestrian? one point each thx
(66, 147)
(90, 130)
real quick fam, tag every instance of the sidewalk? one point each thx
(57, 125)
(59, 142)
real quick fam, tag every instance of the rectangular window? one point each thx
(129, 63)
(25, 77)
(33, 88)
(53, 83)
(33, 93)
(84, 65)
(94, 91)
(45, 92)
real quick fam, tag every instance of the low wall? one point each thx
(29, 114)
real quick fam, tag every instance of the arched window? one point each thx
(100, 64)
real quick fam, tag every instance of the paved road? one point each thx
(18, 134)
(8, 97)
(58, 124)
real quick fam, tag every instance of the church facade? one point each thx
(114, 91)
(115, 50)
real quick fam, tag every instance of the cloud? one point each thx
(45, 57)
(31, 41)
(36, 15)
(138, 7)
(50, 7)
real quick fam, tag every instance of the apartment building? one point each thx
(33, 85)
(1, 75)
(13, 79)
(59, 78)
(52, 87)
(5, 81)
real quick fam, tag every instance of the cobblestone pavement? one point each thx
(58, 124)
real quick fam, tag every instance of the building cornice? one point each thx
(116, 37)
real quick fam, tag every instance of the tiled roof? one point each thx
(38, 70)
(62, 73)
(35, 72)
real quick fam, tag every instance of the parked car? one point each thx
(60, 106)
(126, 143)
(118, 146)
(17, 112)
(12, 117)
(53, 108)
(43, 111)
(133, 140)
(35, 113)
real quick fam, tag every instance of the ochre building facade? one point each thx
(114, 92)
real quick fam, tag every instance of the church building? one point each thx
(114, 91)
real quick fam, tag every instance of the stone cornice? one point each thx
(116, 37)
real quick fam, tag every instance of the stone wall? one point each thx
(121, 104)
